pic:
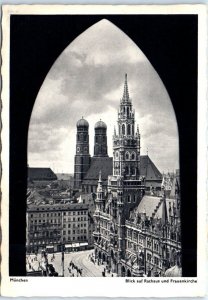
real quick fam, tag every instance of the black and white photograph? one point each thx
(102, 173)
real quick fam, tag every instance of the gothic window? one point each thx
(129, 198)
(156, 261)
(127, 111)
(124, 110)
(132, 129)
(128, 129)
(123, 129)
(149, 257)
(134, 198)
(127, 155)
(133, 156)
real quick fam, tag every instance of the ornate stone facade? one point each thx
(130, 241)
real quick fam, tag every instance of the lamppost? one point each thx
(62, 259)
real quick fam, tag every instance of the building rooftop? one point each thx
(148, 169)
(41, 174)
(58, 207)
(103, 164)
(64, 176)
(152, 206)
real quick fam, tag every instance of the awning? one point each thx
(75, 245)
(49, 247)
(83, 244)
(68, 246)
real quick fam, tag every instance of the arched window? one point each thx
(132, 129)
(127, 111)
(129, 198)
(134, 198)
(123, 129)
(128, 129)
(133, 156)
(124, 110)
(127, 155)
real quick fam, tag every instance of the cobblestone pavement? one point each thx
(81, 259)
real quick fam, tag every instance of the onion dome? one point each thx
(82, 123)
(100, 124)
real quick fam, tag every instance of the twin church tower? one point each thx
(82, 157)
(126, 143)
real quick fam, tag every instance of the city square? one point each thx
(83, 260)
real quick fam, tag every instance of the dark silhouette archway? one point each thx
(165, 42)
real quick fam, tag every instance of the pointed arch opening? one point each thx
(128, 129)
(123, 129)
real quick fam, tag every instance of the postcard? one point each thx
(104, 168)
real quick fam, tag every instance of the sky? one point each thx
(87, 80)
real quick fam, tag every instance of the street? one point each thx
(80, 259)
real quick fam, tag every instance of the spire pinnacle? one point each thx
(125, 97)
(137, 128)
(164, 211)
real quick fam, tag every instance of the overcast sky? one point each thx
(87, 80)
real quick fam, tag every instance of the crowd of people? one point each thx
(72, 267)
(99, 262)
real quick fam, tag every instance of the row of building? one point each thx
(57, 227)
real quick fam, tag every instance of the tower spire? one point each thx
(125, 97)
